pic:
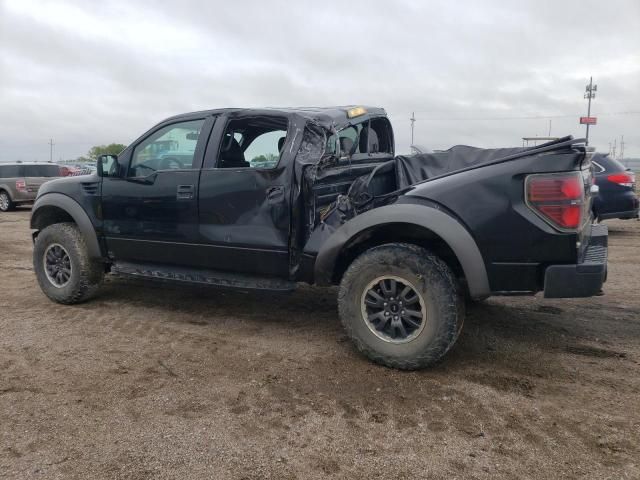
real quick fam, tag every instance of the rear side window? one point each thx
(11, 171)
(370, 137)
(615, 165)
(41, 171)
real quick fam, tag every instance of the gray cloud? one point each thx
(85, 73)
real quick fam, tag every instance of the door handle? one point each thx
(185, 192)
(275, 194)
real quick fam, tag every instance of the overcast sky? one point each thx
(483, 73)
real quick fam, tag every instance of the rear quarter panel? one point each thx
(515, 243)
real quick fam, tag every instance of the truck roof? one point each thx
(325, 116)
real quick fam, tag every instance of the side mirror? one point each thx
(107, 165)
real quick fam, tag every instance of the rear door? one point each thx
(244, 205)
(36, 175)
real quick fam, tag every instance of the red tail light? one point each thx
(557, 197)
(21, 185)
(626, 179)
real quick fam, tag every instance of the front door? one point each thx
(150, 210)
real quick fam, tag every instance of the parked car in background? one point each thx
(617, 197)
(20, 182)
(75, 170)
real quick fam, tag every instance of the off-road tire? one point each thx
(434, 282)
(6, 204)
(86, 273)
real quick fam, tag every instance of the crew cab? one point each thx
(262, 199)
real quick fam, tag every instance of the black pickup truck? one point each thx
(265, 198)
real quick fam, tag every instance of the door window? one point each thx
(170, 148)
(253, 143)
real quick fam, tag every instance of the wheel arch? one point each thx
(410, 223)
(54, 208)
(5, 189)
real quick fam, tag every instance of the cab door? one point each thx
(244, 196)
(150, 208)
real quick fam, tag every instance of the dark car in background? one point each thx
(20, 182)
(617, 197)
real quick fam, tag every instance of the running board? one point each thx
(194, 276)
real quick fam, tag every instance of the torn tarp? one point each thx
(412, 169)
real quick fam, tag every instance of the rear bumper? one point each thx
(624, 205)
(627, 215)
(583, 279)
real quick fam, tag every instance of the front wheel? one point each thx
(64, 270)
(401, 305)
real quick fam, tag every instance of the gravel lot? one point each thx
(149, 381)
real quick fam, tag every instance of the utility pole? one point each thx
(622, 148)
(549, 128)
(51, 144)
(589, 94)
(613, 153)
(413, 121)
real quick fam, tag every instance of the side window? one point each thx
(44, 171)
(170, 148)
(11, 171)
(253, 143)
(349, 141)
(372, 137)
(597, 168)
(264, 150)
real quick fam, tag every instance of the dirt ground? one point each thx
(149, 381)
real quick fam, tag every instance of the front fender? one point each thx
(73, 208)
(439, 222)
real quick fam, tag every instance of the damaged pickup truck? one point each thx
(265, 198)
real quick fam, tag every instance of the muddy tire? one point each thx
(401, 305)
(63, 268)
(6, 204)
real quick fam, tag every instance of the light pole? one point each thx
(413, 121)
(590, 92)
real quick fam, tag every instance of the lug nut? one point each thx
(386, 314)
(395, 318)
(402, 312)
(385, 304)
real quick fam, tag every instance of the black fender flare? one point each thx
(76, 212)
(439, 222)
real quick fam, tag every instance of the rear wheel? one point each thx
(5, 202)
(63, 268)
(401, 305)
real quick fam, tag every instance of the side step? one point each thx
(195, 276)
